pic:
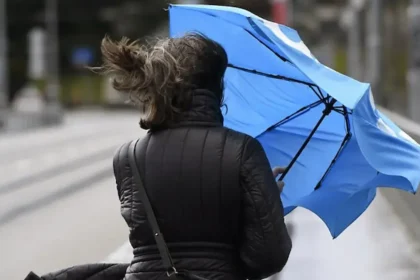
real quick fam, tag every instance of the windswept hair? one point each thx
(159, 78)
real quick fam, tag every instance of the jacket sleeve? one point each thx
(119, 164)
(265, 243)
(123, 179)
(88, 271)
(128, 193)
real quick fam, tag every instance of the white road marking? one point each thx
(123, 254)
(69, 151)
(23, 164)
(51, 158)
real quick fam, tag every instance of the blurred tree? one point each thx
(81, 24)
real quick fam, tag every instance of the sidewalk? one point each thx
(375, 247)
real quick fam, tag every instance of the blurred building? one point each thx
(82, 24)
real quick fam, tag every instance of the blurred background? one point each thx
(60, 124)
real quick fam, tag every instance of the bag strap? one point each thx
(160, 241)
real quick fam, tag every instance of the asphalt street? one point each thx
(58, 201)
(59, 207)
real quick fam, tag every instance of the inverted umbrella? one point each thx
(321, 124)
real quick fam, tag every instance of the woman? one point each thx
(211, 188)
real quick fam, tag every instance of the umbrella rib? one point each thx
(296, 114)
(339, 110)
(264, 44)
(328, 109)
(317, 92)
(274, 76)
(342, 110)
(342, 146)
(312, 86)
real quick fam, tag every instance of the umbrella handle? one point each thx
(329, 106)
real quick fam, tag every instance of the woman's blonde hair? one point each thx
(160, 77)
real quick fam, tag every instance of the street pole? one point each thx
(413, 78)
(53, 108)
(354, 57)
(350, 20)
(374, 48)
(4, 89)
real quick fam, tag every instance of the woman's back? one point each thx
(191, 175)
(208, 187)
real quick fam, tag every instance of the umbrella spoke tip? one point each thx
(329, 107)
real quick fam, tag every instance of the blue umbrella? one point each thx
(321, 124)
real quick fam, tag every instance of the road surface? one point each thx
(404, 204)
(59, 207)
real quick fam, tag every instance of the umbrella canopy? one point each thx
(321, 124)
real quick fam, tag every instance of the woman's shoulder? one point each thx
(120, 161)
(122, 152)
(240, 137)
(121, 155)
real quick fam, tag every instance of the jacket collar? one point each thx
(204, 111)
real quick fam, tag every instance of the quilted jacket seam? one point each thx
(254, 202)
(271, 218)
(118, 172)
(201, 170)
(220, 172)
(132, 189)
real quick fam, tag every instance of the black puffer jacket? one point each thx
(214, 196)
(98, 271)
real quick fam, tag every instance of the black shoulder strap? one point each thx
(160, 241)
